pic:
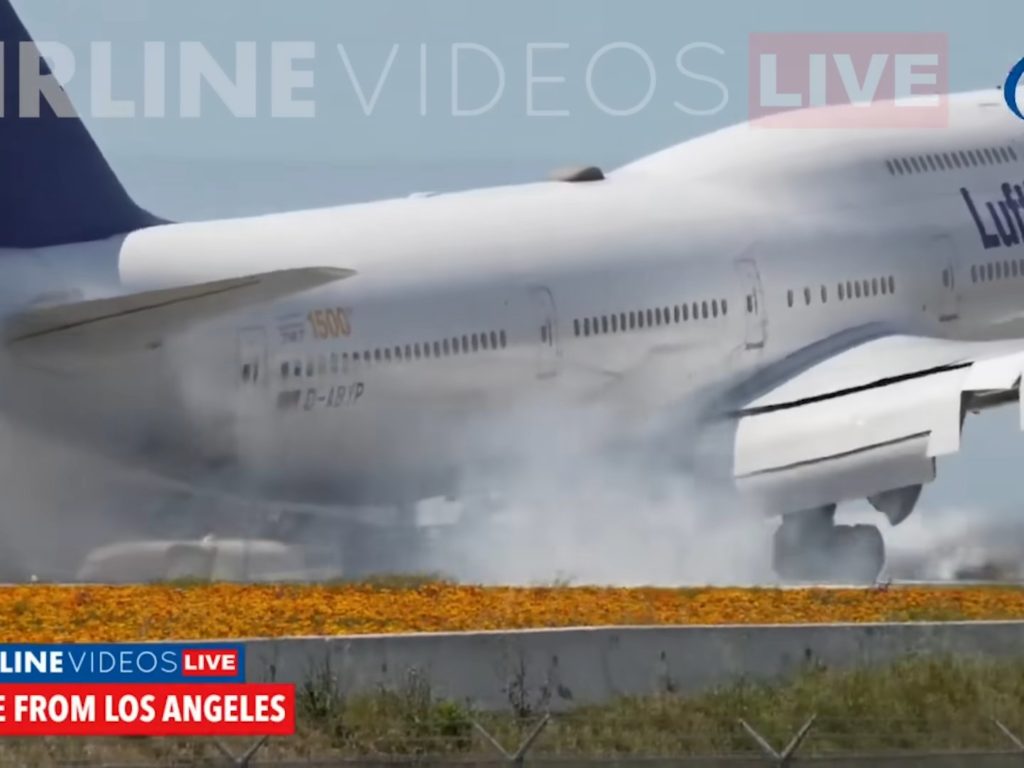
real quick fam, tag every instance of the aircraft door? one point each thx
(249, 407)
(252, 358)
(542, 303)
(752, 306)
(944, 253)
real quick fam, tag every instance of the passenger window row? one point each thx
(997, 270)
(949, 161)
(845, 291)
(467, 344)
(623, 322)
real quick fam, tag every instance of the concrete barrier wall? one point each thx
(564, 668)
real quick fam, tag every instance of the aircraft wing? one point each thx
(139, 321)
(871, 418)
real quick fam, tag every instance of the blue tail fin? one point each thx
(55, 185)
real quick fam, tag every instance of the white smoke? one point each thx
(59, 501)
(570, 505)
(577, 507)
(956, 544)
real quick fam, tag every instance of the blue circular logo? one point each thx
(1010, 89)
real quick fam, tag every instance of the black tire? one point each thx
(842, 554)
(859, 553)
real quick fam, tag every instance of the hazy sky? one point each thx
(220, 165)
(985, 40)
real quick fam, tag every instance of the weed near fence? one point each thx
(921, 706)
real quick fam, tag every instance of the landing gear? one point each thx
(358, 547)
(372, 550)
(809, 546)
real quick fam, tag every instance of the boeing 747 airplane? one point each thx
(806, 315)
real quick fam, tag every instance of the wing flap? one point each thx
(137, 321)
(869, 419)
(841, 425)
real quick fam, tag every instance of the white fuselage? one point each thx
(634, 302)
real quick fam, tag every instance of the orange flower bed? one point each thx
(163, 612)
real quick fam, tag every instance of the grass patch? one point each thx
(918, 705)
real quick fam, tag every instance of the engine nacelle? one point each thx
(898, 503)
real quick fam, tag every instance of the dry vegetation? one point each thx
(937, 704)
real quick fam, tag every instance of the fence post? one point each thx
(1010, 735)
(781, 758)
(241, 761)
(519, 756)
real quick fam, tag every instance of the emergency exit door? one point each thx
(542, 303)
(752, 307)
(944, 254)
(252, 357)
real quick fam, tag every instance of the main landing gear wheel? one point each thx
(399, 547)
(810, 547)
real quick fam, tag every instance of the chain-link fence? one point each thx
(565, 739)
